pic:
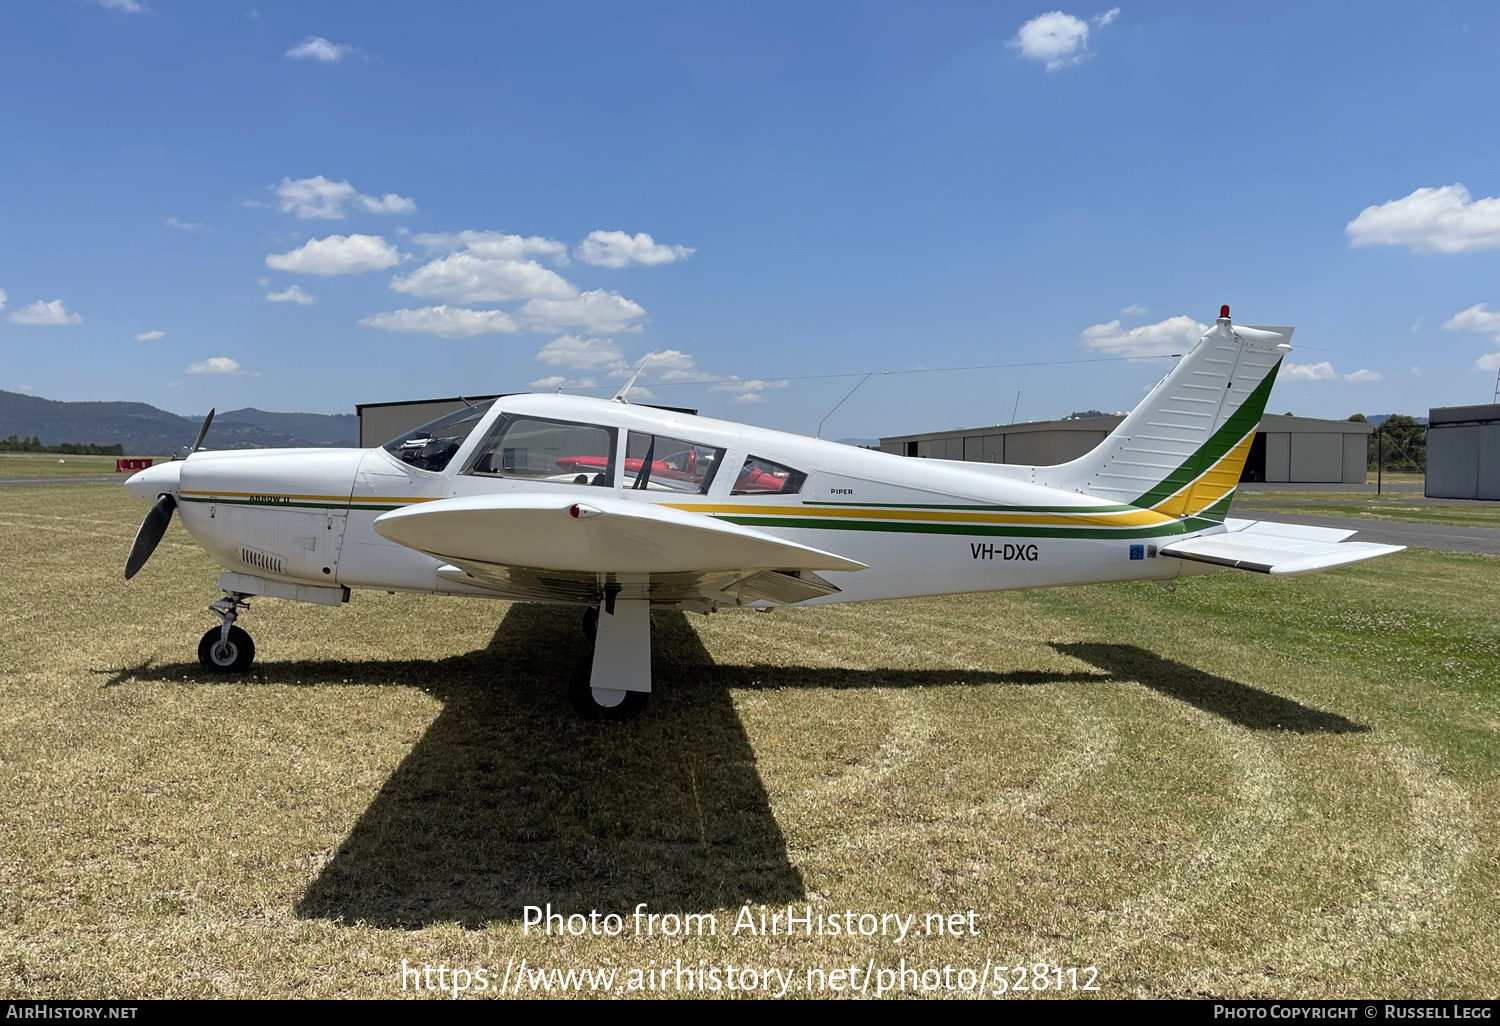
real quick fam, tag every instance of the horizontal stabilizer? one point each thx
(598, 535)
(1304, 531)
(1255, 547)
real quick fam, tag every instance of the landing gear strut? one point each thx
(227, 648)
(613, 680)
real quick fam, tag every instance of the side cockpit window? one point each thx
(762, 477)
(432, 445)
(557, 451)
(663, 464)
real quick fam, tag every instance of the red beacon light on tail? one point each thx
(1224, 310)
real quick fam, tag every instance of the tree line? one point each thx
(1404, 446)
(34, 444)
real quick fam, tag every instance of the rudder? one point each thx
(1181, 450)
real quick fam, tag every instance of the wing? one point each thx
(553, 548)
(1269, 548)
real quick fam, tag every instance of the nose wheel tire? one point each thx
(233, 655)
(592, 703)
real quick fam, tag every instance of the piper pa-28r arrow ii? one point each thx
(619, 508)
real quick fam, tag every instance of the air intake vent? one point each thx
(261, 560)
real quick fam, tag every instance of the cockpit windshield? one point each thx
(432, 445)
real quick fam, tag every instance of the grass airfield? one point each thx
(51, 464)
(1248, 787)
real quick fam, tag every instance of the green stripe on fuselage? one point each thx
(986, 530)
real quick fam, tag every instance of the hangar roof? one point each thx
(1270, 422)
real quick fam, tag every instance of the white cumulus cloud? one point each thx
(53, 313)
(1322, 371)
(320, 197)
(3, 298)
(150, 336)
(597, 312)
(292, 294)
(319, 49)
(128, 6)
(1479, 318)
(337, 254)
(186, 226)
(616, 249)
(390, 203)
(215, 365)
(495, 245)
(1134, 310)
(447, 321)
(465, 278)
(1173, 335)
(1308, 371)
(744, 388)
(580, 353)
(1442, 220)
(1059, 40)
(1476, 318)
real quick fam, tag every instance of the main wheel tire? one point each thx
(232, 656)
(592, 703)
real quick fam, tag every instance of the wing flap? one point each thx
(597, 535)
(1268, 553)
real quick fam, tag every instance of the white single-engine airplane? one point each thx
(618, 508)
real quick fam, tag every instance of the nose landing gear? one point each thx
(227, 648)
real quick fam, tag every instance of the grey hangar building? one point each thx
(1285, 449)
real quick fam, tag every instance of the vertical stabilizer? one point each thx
(1181, 451)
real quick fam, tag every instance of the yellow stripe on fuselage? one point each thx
(1121, 518)
(313, 498)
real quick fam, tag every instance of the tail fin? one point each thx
(1181, 451)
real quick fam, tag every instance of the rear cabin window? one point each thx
(762, 477)
(661, 464)
(432, 445)
(557, 451)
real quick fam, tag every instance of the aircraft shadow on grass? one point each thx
(509, 799)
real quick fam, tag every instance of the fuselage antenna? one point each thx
(842, 401)
(625, 388)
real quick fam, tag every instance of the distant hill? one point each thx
(144, 430)
(341, 429)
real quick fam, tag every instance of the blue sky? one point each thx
(451, 198)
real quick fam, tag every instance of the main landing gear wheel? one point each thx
(233, 654)
(593, 703)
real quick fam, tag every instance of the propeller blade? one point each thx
(202, 432)
(149, 536)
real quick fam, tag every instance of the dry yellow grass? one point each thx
(1249, 787)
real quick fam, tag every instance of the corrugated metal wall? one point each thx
(1463, 461)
